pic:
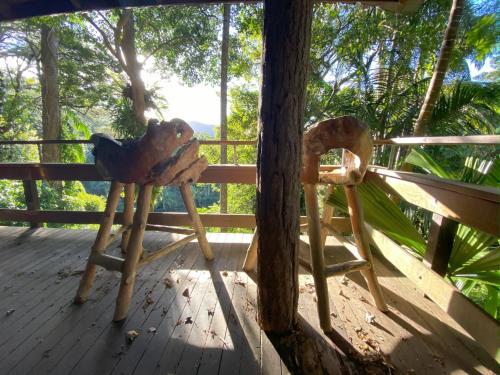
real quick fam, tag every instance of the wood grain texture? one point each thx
(47, 334)
(286, 40)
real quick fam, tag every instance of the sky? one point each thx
(199, 103)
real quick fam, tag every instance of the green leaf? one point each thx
(382, 213)
(421, 159)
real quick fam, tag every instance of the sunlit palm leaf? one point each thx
(382, 213)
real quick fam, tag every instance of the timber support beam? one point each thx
(286, 41)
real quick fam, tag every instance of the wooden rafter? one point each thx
(19, 9)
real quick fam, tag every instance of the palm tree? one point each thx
(440, 69)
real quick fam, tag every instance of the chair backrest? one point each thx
(345, 132)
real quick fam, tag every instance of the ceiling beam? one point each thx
(19, 9)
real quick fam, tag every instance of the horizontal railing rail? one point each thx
(462, 202)
(88, 141)
(400, 141)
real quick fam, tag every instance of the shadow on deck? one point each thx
(211, 328)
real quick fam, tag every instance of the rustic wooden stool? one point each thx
(175, 162)
(354, 137)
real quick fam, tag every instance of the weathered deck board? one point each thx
(48, 334)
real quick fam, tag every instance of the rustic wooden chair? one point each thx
(165, 155)
(354, 137)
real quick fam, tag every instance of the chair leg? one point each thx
(187, 196)
(128, 215)
(317, 256)
(100, 242)
(327, 216)
(363, 245)
(134, 250)
(251, 257)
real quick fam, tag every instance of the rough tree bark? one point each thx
(434, 88)
(224, 61)
(51, 114)
(133, 67)
(286, 41)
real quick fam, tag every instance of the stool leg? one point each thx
(317, 256)
(251, 257)
(100, 242)
(128, 215)
(134, 250)
(327, 216)
(187, 196)
(363, 245)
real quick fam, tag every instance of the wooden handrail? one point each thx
(87, 141)
(400, 141)
(220, 173)
(473, 205)
(445, 141)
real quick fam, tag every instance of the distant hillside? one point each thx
(201, 128)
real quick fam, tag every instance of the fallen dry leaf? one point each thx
(131, 336)
(370, 318)
(239, 282)
(168, 282)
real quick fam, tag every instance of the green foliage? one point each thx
(73, 128)
(467, 108)
(125, 124)
(71, 196)
(383, 214)
(483, 36)
(11, 194)
(474, 264)
(182, 39)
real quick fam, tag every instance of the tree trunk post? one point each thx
(51, 114)
(286, 41)
(32, 199)
(224, 62)
(133, 67)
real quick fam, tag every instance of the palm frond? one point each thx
(382, 213)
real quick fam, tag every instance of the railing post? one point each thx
(31, 198)
(440, 243)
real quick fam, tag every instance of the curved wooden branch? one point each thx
(344, 132)
(146, 160)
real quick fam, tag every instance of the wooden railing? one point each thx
(450, 202)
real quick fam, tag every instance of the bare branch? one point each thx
(115, 52)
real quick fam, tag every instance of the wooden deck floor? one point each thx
(214, 330)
